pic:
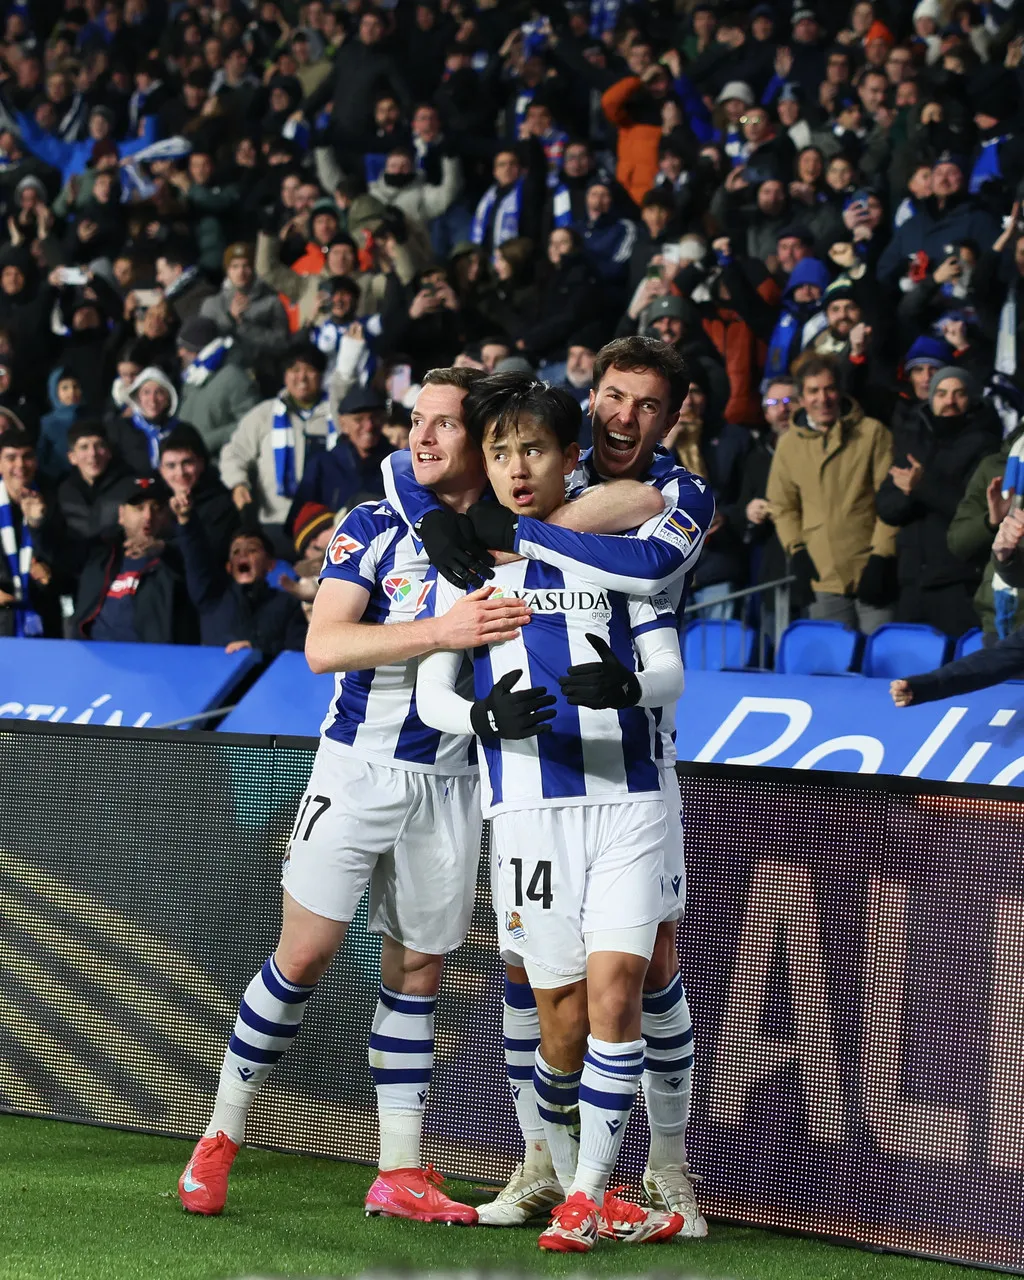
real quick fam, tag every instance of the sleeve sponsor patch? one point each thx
(342, 548)
(678, 529)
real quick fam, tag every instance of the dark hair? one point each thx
(304, 353)
(86, 429)
(12, 438)
(504, 399)
(247, 530)
(813, 367)
(462, 378)
(635, 354)
(185, 439)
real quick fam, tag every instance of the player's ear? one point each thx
(591, 402)
(570, 457)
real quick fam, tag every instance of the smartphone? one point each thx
(148, 297)
(399, 381)
(653, 273)
(74, 275)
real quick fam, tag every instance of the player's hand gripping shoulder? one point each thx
(452, 548)
(476, 619)
(512, 713)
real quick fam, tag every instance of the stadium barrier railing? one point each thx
(853, 951)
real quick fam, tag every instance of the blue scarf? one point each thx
(153, 435)
(906, 210)
(19, 561)
(506, 216)
(283, 439)
(604, 14)
(987, 167)
(205, 363)
(522, 104)
(561, 206)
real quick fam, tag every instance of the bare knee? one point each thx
(307, 945)
(665, 961)
(413, 973)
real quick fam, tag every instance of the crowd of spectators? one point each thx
(236, 234)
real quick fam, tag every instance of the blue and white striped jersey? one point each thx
(657, 557)
(589, 757)
(373, 713)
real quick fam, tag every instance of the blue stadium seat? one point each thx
(902, 649)
(713, 645)
(812, 648)
(970, 642)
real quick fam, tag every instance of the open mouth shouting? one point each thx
(616, 450)
(522, 495)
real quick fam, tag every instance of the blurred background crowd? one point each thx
(236, 234)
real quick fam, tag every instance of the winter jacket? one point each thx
(163, 612)
(261, 332)
(978, 670)
(217, 407)
(248, 457)
(932, 229)
(608, 246)
(89, 512)
(47, 540)
(422, 200)
(971, 536)
(126, 439)
(639, 134)
(822, 487)
(949, 449)
(52, 447)
(269, 619)
(739, 330)
(73, 157)
(768, 558)
(332, 479)
(723, 448)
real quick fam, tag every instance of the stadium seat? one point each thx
(714, 645)
(813, 648)
(970, 642)
(902, 649)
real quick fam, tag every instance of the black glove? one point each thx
(448, 540)
(803, 568)
(608, 683)
(878, 584)
(504, 714)
(494, 526)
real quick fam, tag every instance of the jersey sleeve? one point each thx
(355, 548)
(651, 613)
(661, 551)
(403, 491)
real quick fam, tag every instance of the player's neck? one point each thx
(459, 500)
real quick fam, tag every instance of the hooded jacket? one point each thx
(932, 229)
(128, 441)
(52, 449)
(822, 487)
(794, 328)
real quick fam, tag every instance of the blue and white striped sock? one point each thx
(401, 1063)
(669, 1035)
(558, 1105)
(611, 1077)
(268, 1021)
(521, 1027)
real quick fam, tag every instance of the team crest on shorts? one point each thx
(342, 547)
(514, 926)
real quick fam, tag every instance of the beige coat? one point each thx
(822, 488)
(248, 457)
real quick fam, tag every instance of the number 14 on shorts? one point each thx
(539, 887)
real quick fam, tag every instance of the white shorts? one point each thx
(558, 874)
(675, 867)
(414, 838)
